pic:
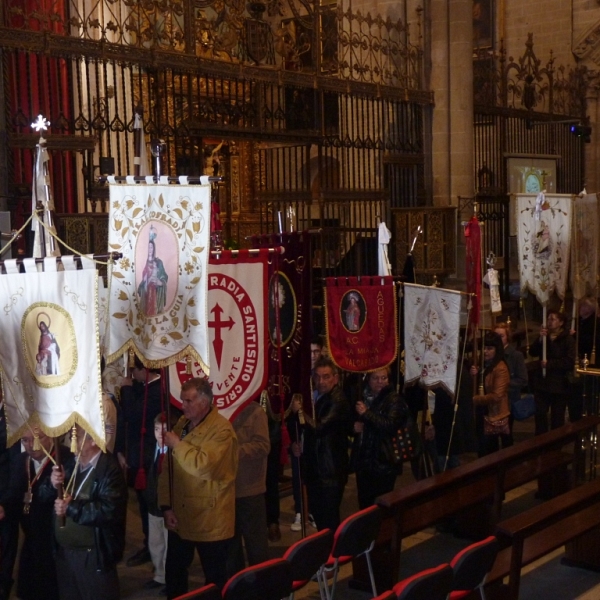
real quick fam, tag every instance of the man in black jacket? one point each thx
(325, 451)
(31, 472)
(9, 522)
(140, 402)
(92, 540)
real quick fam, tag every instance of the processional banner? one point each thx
(289, 328)
(361, 320)
(50, 354)
(473, 268)
(431, 325)
(157, 300)
(584, 249)
(236, 303)
(544, 237)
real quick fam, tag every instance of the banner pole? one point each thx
(544, 338)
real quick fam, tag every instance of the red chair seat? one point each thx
(307, 557)
(269, 580)
(458, 594)
(432, 584)
(471, 566)
(354, 537)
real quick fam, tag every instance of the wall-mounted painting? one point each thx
(529, 174)
(483, 23)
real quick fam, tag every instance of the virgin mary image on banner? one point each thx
(153, 288)
(353, 311)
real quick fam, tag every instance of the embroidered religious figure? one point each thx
(152, 290)
(352, 312)
(48, 354)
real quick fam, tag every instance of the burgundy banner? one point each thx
(289, 318)
(361, 321)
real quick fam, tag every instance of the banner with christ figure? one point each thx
(431, 331)
(289, 328)
(361, 322)
(157, 302)
(237, 284)
(544, 238)
(49, 354)
(584, 249)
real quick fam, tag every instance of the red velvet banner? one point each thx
(362, 322)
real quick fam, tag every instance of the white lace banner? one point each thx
(544, 237)
(431, 331)
(50, 354)
(157, 300)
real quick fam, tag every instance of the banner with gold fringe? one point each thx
(237, 332)
(361, 316)
(157, 301)
(50, 355)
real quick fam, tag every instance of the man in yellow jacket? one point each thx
(199, 510)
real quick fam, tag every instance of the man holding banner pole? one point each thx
(552, 390)
(325, 451)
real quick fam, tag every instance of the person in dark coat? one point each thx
(140, 403)
(36, 578)
(325, 448)
(552, 391)
(380, 413)
(587, 337)
(91, 542)
(9, 520)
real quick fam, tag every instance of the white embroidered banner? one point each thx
(544, 236)
(50, 354)
(237, 332)
(431, 328)
(584, 249)
(157, 302)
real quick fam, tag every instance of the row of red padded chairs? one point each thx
(318, 556)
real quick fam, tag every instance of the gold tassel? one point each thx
(36, 441)
(188, 365)
(131, 358)
(264, 400)
(74, 440)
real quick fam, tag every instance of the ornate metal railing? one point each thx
(300, 36)
(526, 84)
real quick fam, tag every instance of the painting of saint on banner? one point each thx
(49, 337)
(353, 311)
(155, 294)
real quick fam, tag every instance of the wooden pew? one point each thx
(479, 486)
(573, 518)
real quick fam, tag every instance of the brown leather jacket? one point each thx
(496, 392)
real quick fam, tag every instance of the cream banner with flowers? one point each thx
(157, 292)
(431, 330)
(49, 354)
(544, 226)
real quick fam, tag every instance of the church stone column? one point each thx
(452, 124)
(452, 83)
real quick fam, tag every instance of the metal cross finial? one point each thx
(40, 124)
